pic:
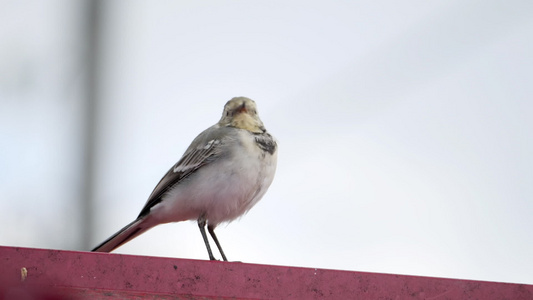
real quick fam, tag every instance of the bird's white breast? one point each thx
(224, 189)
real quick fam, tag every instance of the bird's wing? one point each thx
(200, 153)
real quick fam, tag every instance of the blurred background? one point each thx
(404, 128)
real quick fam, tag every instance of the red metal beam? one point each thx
(55, 274)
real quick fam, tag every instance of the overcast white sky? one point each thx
(404, 128)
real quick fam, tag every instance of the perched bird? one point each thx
(225, 171)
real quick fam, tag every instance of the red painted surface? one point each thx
(56, 274)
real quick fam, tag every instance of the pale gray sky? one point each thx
(404, 128)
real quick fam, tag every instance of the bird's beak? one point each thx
(242, 108)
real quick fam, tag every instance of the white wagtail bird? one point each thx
(225, 171)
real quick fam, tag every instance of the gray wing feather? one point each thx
(203, 150)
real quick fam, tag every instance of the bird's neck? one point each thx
(247, 122)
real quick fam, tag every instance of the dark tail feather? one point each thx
(124, 235)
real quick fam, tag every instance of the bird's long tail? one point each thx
(124, 235)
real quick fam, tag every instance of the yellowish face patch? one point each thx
(241, 112)
(244, 120)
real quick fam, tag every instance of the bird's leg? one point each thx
(211, 230)
(201, 224)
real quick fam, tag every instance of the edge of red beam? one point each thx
(58, 274)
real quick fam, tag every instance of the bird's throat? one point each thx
(247, 122)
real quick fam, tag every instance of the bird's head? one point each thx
(241, 112)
